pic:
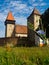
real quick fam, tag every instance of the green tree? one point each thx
(30, 25)
(45, 18)
(45, 21)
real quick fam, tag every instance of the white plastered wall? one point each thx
(10, 29)
(36, 21)
(21, 35)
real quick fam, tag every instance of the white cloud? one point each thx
(21, 20)
(17, 4)
(20, 8)
(35, 4)
(39, 4)
(2, 25)
(43, 4)
(14, 3)
(2, 17)
(2, 33)
(31, 1)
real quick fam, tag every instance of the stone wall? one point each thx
(16, 41)
(31, 36)
(4, 41)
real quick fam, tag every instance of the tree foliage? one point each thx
(45, 18)
(45, 21)
(30, 25)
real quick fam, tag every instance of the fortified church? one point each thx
(14, 30)
(20, 34)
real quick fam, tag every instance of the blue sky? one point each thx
(20, 9)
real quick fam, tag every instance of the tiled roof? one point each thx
(21, 29)
(10, 16)
(35, 11)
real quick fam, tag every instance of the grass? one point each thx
(24, 56)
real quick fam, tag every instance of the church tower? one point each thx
(9, 25)
(33, 22)
(34, 19)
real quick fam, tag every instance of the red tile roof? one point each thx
(35, 11)
(10, 16)
(21, 29)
